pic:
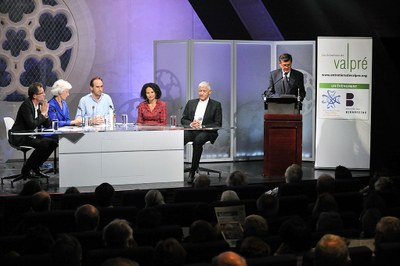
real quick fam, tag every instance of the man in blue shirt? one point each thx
(96, 104)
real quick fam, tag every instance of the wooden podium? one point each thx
(282, 142)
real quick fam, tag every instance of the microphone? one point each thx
(112, 108)
(273, 85)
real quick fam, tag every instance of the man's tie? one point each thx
(286, 84)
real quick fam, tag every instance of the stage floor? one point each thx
(252, 169)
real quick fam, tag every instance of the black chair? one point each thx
(281, 260)
(387, 254)
(142, 255)
(204, 251)
(151, 236)
(57, 221)
(206, 194)
(109, 214)
(9, 122)
(204, 169)
(134, 198)
(73, 201)
(249, 191)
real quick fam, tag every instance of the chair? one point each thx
(9, 122)
(204, 169)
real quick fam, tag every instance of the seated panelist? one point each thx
(58, 107)
(199, 113)
(152, 111)
(96, 104)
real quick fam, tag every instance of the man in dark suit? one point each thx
(33, 114)
(200, 114)
(286, 80)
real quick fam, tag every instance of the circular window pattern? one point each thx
(39, 43)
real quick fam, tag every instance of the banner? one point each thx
(344, 78)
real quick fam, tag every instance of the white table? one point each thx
(132, 156)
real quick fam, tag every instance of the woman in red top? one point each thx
(152, 111)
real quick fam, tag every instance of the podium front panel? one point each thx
(282, 142)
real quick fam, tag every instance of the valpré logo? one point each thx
(349, 99)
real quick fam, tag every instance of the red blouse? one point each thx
(156, 117)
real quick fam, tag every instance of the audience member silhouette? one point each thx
(201, 231)
(153, 198)
(387, 230)
(369, 219)
(329, 222)
(37, 240)
(118, 234)
(325, 184)
(104, 193)
(293, 174)
(169, 252)
(342, 172)
(296, 237)
(331, 250)
(148, 217)
(229, 258)
(229, 195)
(41, 201)
(236, 178)
(87, 218)
(66, 251)
(201, 181)
(254, 247)
(255, 225)
(268, 205)
(30, 188)
(72, 190)
(324, 203)
(119, 261)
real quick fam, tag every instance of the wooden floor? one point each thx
(252, 169)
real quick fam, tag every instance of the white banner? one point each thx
(344, 78)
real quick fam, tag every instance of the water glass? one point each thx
(172, 121)
(124, 119)
(86, 121)
(54, 124)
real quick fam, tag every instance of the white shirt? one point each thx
(201, 109)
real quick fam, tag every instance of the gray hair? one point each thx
(205, 84)
(229, 195)
(60, 86)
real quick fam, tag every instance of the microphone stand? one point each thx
(264, 94)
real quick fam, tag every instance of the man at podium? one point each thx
(286, 81)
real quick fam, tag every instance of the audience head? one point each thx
(154, 198)
(229, 258)
(202, 231)
(387, 230)
(201, 181)
(325, 184)
(268, 205)
(87, 218)
(119, 261)
(204, 211)
(236, 178)
(295, 235)
(41, 201)
(66, 251)
(293, 174)
(329, 222)
(369, 220)
(255, 225)
(254, 247)
(342, 172)
(30, 188)
(325, 203)
(331, 250)
(104, 195)
(383, 184)
(148, 217)
(37, 240)
(60, 86)
(118, 234)
(72, 190)
(229, 195)
(169, 252)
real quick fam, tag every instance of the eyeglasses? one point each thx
(40, 93)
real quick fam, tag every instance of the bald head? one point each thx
(41, 201)
(229, 258)
(87, 217)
